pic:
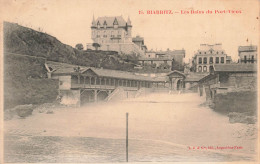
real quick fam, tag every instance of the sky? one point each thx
(70, 20)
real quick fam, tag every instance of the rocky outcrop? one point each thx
(24, 110)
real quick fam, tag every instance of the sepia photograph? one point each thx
(125, 81)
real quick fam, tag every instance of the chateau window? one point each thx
(115, 23)
(200, 52)
(200, 60)
(217, 60)
(217, 52)
(222, 52)
(115, 26)
(211, 60)
(222, 59)
(205, 69)
(205, 60)
(98, 24)
(245, 59)
(253, 60)
(204, 52)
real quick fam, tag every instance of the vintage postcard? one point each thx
(151, 81)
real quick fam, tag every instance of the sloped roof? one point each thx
(63, 68)
(137, 38)
(155, 59)
(177, 52)
(68, 69)
(194, 77)
(247, 48)
(178, 72)
(110, 20)
(235, 68)
(120, 74)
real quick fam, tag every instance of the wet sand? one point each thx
(162, 127)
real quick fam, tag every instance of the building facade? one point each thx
(114, 34)
(209, 55)
(139, 41)
(174, 59)
(247, 54)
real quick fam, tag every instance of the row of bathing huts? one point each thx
(79, 85)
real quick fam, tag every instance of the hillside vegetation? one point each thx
(25, 81)
(25, 52)
(26, 41)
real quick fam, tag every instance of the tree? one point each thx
(96, 45)
(79, 46)
(163, 66)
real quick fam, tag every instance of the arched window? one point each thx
(217, 60)
(211, 60)
(205, 69)
(205, 60)
(200, 69)
(222, 60)
(200, 60)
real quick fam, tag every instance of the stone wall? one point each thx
(242, 80)
(121, 94)
(242, 102)
(126, 48)
(70, 97)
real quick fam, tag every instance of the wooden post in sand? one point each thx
(126, 137)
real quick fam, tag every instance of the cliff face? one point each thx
(26, 41)
(25, 52)
(25, 81)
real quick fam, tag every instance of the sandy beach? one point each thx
(162, 127)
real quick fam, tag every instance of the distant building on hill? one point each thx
(139, 41)
(172, 58)
(247, 54)
(115, 34)
(209, 55)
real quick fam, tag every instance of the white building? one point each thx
(113, 34)
(247, 54)
(207, 56)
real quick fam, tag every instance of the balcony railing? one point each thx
(73, 85)
(88, 86)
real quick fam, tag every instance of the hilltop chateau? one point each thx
(115, 34)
